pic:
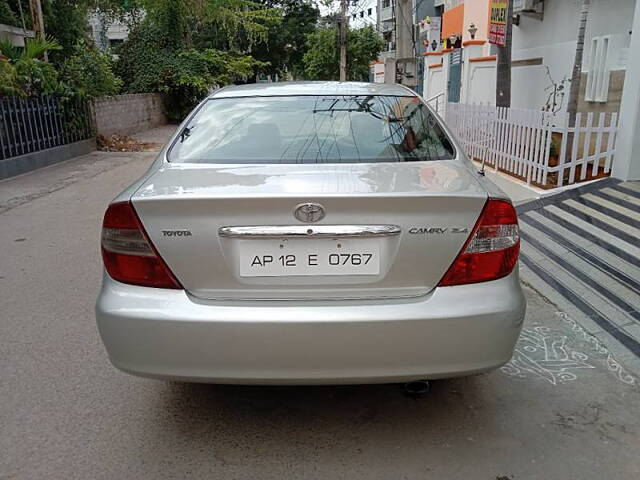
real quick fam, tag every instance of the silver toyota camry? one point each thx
(307, 233)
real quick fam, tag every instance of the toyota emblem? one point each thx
(309, 212)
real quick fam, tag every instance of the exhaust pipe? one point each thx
(417, 387)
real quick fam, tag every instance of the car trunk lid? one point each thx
(200, 219)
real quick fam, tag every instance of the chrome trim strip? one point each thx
(314, 231)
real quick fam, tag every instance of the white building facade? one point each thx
(363, 13)
(544, 46)
(105, 34)
(543, 52)
(544, 49)
(386, 26)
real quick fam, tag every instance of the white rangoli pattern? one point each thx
(546, 354)
(612, 364)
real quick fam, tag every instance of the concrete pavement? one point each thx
(560, 409)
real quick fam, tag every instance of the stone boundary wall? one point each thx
(127, 114)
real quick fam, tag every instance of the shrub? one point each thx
(36, 77)
(89, 72)
(9, 80)
(31, 75)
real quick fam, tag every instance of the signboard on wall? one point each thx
(430, 29)
(498, 22)
(378, 72)
(434, 30)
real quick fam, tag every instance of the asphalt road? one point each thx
(562, 409)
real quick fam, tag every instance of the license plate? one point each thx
(286, 257)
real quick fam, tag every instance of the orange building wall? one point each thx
(453, 21)
(476, 11)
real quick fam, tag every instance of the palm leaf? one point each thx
(9, 50)
(36, 47)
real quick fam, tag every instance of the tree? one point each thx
(321, 56)
(285, 44)
(503, 70)
(321, 60)
(172, 50)
(363, 46)
(576, 73)
(66, 21)
(224, 24)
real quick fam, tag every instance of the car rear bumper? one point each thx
(450, 332)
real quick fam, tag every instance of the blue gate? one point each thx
(455, 76)
(36, 123)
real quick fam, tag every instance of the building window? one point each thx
(369, 11)
(386, 3)
(597, 89)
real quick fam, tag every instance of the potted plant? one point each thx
(554, 149)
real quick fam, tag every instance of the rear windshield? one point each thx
(312, 129)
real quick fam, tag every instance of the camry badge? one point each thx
(309, 212)
(436, 230)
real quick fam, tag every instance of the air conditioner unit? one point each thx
(527, 6)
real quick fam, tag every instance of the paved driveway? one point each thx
(563, 408)
(581, 249)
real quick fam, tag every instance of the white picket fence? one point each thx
(519, 141)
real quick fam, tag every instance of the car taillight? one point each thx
(128, 255)
(491, 252)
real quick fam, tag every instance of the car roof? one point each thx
(312, 88)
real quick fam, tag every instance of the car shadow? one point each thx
(240, 418)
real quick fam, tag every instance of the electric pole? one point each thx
(406, 62)
(404, 29)
(344, 5)
(503, 71)
(574, 91)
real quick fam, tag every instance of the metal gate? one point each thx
(32, 124)
(455, 76)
